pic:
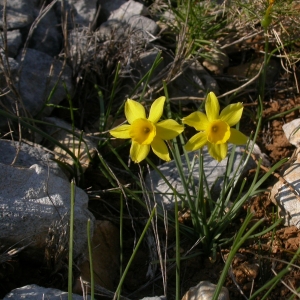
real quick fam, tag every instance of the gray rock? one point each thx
(145, 62)
(205, 291)
(292, 132)
(108, 7)
(194, 81)
(85, 11)
(129, 9)
(8, 72)
(46, 36)
(10, 66)
(214, 172)
(35, 292)
(81, 13)
(24, 155)
(285, 195)
(142, 27)
(119, 28)
(34, 201)
(82, 45)
(38, 76)
(113, 30)
(14, 40)
(19, 13)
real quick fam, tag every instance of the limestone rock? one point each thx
(39, 74)
(113, 30)
(35, 292)
(292, 132)
(81, 13)
(14, 40)
(204, 291)
(286, 196)
(138, 27)
(108, 7)
(46, 36)
(19, 13)
(8, 72)
(32, 200)
(129, 9)
(145, 61)
(194, 81)
(142, 27)
(24, 155)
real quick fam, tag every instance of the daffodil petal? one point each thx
(236, 137)
(168, 129)
(232, 113)
(139, 152)
(217, 151)
(197, 119)
(121, 132)
(212, 107)
(196, 142)
(134, 110)
(160, 148)
(156, 109)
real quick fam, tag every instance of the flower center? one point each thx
(218, 132)
(142, 131)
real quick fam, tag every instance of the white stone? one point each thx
(81, 13)
(129, 9)
(287, 196)
(108, 7)
(143, 27)
(205, 291)
(292, 132)
(35, 292)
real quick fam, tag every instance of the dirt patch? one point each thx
(272, 137)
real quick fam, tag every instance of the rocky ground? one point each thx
(91, 55)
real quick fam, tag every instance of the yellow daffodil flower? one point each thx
(215, 131)
(145, 132)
